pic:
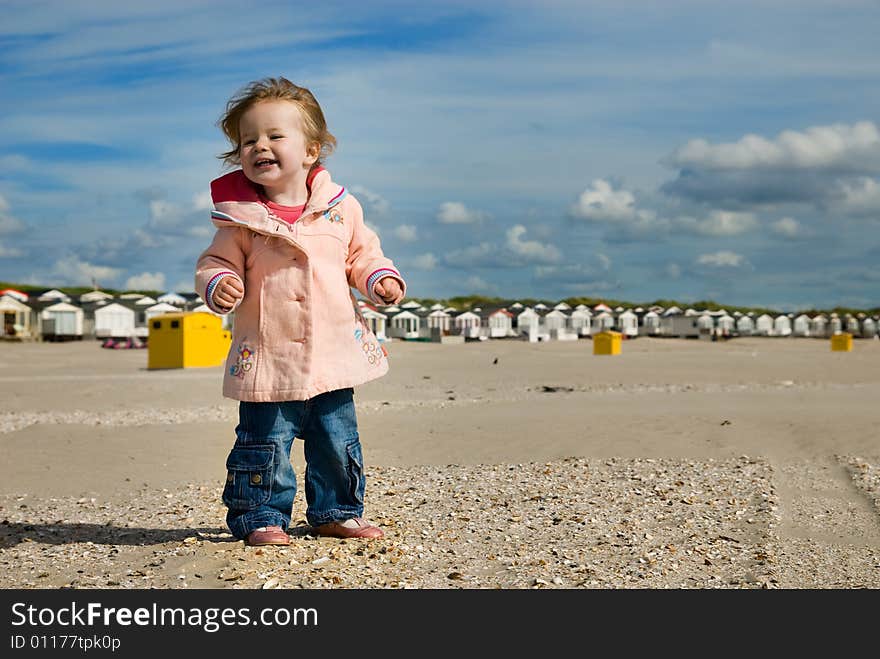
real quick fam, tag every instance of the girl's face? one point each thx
(274, 151)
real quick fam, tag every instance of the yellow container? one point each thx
(841, 342)
(606, 343)
(187, 339)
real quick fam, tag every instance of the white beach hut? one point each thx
(94, 296)
(158, 309)
(440, 319)
(61, 321)
(602, 322)
(555, 320)
(852, 325)
(527, 319)
(500, 323)
(782, 325)
(801, 325)
(835, 326)
(726, 324)
(115, 321)
(172, 298)
(404, 325)
(869, 328)
(764, 325)
(745, 325)
(54, 295)
(628, 323)
(651, 323)
(16, 316)
(376, 321)
(819, 326)
(562, 306)
(468, 323)
(580, 320)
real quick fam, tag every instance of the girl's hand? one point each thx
(228, 292)
(388, 289)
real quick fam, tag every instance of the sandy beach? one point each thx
(751, 463)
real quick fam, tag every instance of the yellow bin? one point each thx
(841, 342)
(606, 343)
(187, 339)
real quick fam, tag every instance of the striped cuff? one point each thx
(374, 278)
(209, 291)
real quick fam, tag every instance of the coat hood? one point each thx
(238, 200)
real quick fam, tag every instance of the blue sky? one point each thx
(634, 150)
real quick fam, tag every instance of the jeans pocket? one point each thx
(355, 471)
(249, 476)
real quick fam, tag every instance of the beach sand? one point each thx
(751, 463)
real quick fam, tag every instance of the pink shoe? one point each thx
(356, 527)
(267, 535)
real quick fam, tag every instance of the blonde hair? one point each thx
(275, 89)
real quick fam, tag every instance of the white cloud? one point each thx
(406, 233)
(201, 201)
(859, 196)
(531, 250)
(375, 205)
(453, 212)
(817, 147)
(8, 223)
(10, 252)
(722, 259)
(673, 271)
(80, 273)
(424, 262)
(787, 227)
(147, 281)
(472, 255)
(719, 223)
(478, 285)
(602, 203)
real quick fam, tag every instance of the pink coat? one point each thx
(298, 331)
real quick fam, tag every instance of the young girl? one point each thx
(289, 245)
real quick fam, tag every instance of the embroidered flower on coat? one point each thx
(333, 215)
(245, 361)
(372, 349)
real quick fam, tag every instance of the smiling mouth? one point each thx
(265, 162)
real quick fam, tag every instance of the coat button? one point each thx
(256, 479)
(229, 477)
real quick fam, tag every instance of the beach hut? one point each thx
(725, 324)
(651, 323)
(16, 316)
(628, 323)
(404, 325)
(114, 321)
(801, 325)
(145, 301)
(835, 326)
(562, 306)
(679, 326)
(527, 319)
(376, 321)
(580, 320)
(555, 320)
(53, 295)
(745, 325)
(440, 319)
(818, 326)
(157, 309)
(412, 305)
(468, 324)
(851, 323)
(599, 308)
(782, 326)
(869, 328)
(94, 297)
(671, 311)
(172, 298)
(541, 307)
(602, 322)
(61, 322)
(13, 293)
(500, 323)
(764, 325)
(516, 305)
(705, 324)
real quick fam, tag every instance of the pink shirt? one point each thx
(289, 214)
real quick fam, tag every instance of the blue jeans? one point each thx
(260, 481)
